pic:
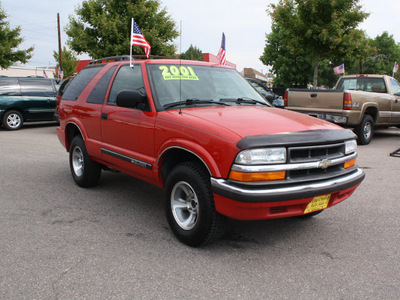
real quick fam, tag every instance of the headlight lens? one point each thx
(350, 146)
(261, 156)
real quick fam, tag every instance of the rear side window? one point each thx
(127, 78)
(9, 87)
(64, 85)
(75, 88)
(99, 91)
(36, 87)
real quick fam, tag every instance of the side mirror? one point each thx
(131, 99)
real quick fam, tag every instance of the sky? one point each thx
(202, 22)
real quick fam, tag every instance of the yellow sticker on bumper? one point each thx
(318, 203)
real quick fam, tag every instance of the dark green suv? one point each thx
(26, 99)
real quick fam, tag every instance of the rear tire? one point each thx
(84, 170)
(189, 205)
(365, 130)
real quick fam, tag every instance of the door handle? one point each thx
(314, 95)
(104, 116)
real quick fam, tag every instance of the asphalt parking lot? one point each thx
(59, 241)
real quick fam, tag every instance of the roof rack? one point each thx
(125, 58)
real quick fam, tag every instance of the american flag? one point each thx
(339, 69)
(137, 38)
(396, 67)
(221, 54)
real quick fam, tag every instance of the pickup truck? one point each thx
(359, 101)
(204, 135)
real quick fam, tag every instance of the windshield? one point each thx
(173, 83)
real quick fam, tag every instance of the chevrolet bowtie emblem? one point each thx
(324, 164)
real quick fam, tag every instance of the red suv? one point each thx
(203, 134)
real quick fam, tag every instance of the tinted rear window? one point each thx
(75, 88)
(36, 87)
(367, 84)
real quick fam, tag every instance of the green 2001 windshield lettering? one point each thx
(178, 73)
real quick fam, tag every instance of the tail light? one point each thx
(347, 102)
(285, 98)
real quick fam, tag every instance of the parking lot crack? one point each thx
(60, 277)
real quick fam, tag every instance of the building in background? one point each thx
(18, 70)
(251, 73)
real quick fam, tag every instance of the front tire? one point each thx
(12, 120)
(365, 130)
(189, 205)
(84, 170)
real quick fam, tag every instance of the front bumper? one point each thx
(259, 194)
(256, 203)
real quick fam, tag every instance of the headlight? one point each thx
(261, 156)
(350, 146)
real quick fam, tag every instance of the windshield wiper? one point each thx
(244, 100)
(193, 101)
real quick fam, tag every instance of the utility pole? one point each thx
(59, 42)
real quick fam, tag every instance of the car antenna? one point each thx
(180, 65)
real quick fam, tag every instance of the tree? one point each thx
(385, 53)
(192, 53)
(69, 62)
(102, 28)
(290, 70)
(318, 29)
(9, 41)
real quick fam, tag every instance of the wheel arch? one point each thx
(373, 111)
(18, 109)
(71, 130)
(174, 155)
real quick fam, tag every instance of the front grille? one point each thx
(315, 153)
(312, 154)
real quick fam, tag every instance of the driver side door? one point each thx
(128, 133)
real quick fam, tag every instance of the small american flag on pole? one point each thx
(339, 69)
(396, 67)
(221, 54)
(137, 39)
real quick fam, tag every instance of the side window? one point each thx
(127, 78)
(395, 87)
(9, 87)
(75, 88)
(99, 91)
(36, 87)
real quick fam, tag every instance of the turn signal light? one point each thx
(349, 163)
(261, 176)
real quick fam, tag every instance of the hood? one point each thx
(245, 121)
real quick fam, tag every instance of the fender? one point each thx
(365, 107)
(193, 148)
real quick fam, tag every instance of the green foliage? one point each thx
(102, 28)
(192, 53)
(385, 53)
(9, 41)
(69, 62)
(314, 30)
